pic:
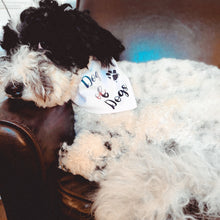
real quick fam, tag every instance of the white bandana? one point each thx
(105, 90)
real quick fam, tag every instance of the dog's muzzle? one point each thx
(14, 89)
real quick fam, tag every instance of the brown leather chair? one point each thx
(31, 185)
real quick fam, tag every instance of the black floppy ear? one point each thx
(97, 41)
(10, 39)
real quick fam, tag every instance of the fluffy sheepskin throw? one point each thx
(153, 160)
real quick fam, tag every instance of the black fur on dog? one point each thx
(68, 36)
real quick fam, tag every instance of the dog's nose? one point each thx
(14, 89)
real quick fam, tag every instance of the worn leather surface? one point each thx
(151, 30)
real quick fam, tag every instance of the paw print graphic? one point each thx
(112, 75)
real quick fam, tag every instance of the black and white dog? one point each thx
(148, 132)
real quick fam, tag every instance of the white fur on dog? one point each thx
(150, 161)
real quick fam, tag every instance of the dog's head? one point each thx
(46, 47)
(31, 76)
(68, 36)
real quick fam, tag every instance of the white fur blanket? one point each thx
(153, 160)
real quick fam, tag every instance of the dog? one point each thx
(149, 133)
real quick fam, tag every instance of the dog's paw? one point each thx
(88, 156)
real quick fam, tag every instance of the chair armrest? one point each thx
(21, 172)
(29, 140)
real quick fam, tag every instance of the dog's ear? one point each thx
(74, 36)
(78, 37)
(10, 39)
(95, 40)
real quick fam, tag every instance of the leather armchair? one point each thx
(31, 185)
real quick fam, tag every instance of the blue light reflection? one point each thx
(146, 50)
